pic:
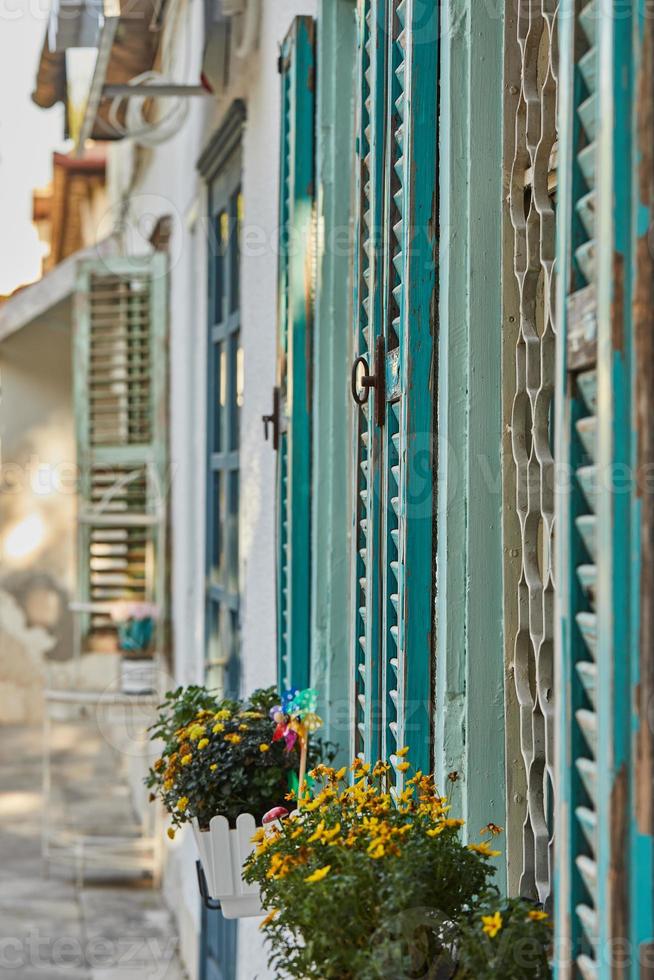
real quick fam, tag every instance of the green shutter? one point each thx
(120, 408)
(576, 888)
(393, 430)
(296, 278)
(603, 884)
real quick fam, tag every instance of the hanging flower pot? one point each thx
(222, 757)
(223, 852)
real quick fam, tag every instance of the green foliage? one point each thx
(518, 950)
(367, 883)
(218, 756)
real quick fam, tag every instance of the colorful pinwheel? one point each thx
(295, 719)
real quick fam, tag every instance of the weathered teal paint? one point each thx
(332, 354)
(394, 323)
(414, 260)
(605, 920)
(296, 223)
(575, 447)
(470, 650)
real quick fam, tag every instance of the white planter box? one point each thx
(223, 853)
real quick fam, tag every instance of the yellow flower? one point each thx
(159, 765)
(435, 831)
(537, 915)
(338, 776)
(242, 728)
(403, 752)
(403, 766)
(271, 915)
(223, 714)
(484, 849)
(171, 833)
(233, 738)
(182, 803)
(324, 836)
(168, 784)
(492, 924)
(319, 874)
(264, 748)
(195, 732)
(202, 744)
(218, 728)
(213, 766)
(186, 759)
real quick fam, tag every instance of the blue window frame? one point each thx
(221, 166)
(225, 397)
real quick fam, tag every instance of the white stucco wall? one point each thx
(37, 512)
(167, 183)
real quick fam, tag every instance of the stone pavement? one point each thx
(51, 927)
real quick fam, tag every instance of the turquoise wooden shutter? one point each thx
(121, 417)
(296, 276)
(603, 884)
(396, 214)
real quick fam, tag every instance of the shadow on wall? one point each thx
(23, 652)
(37, 513)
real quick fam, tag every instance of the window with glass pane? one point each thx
(225, 394)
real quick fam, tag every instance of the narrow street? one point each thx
(50, 926)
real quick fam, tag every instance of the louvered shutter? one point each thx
(577, 538)
(395, 281)
(601, 853)
(295, 319)
(120, 407)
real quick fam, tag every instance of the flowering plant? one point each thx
(370, 880)
(219, 756)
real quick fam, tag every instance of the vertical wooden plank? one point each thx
(452, 405)
(417, 378)
(642, 681)
(613, 457)
(469, 700)
(332, 357)
(81, 402)
(516, 781)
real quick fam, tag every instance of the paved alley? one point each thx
(52, 925)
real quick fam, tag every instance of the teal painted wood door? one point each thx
(292, 411)
(393, 380)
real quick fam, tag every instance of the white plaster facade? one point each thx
(146, 184)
